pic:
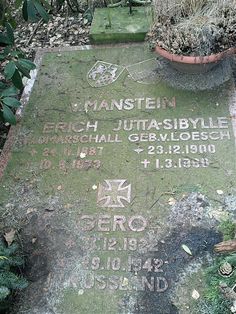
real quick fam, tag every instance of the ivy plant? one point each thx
(10, 261)
(13, 64)
(8, 101)
(14, 68)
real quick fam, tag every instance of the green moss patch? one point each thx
(114, 25)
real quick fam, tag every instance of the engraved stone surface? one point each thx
(118, 184)
(103, 73)
(112, 192)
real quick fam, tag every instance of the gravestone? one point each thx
(119, 182)
(115, 25)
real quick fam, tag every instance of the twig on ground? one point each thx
(34, 31)
(225, 246)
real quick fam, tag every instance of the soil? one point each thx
(3, 134)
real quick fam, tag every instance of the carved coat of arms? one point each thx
(103, 73)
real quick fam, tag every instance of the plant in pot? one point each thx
(194, 35)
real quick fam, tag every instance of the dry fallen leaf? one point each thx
(125, 282)
(59, 187)
(82, 155)
(67, 206)
(80, 292)
(3, 257)
(34, 240)
(31, 210)
(9, 236)
(186, 249)
(219, 214)
(171, 201)
(195, 294)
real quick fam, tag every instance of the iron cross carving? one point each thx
(111, 193)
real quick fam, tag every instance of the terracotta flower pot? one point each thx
(190, 64)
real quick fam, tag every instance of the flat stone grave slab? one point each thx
(124, 27)
(112, 175)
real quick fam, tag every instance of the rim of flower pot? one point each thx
(195, 59)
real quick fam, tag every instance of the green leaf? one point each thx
(18, 3)
(22, 69)
(17, 53)
(4, 292)
(47, 5)
(88, 14)
(11, 102)
(60, 2)
(10, 18)
(31, 11)
(17, 80)
(231, 259)
(13, 22)
(42, 12)
(9, 70)
(1, 116)
(25, 10)
(12, 280)
(14, 53)
(2, 85)
(11, 91)
(8, 115)
(27, 64)
(10, 33)
(7, 50)
(4, 39)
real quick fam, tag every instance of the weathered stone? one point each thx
(113, 25)
(122, 173)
